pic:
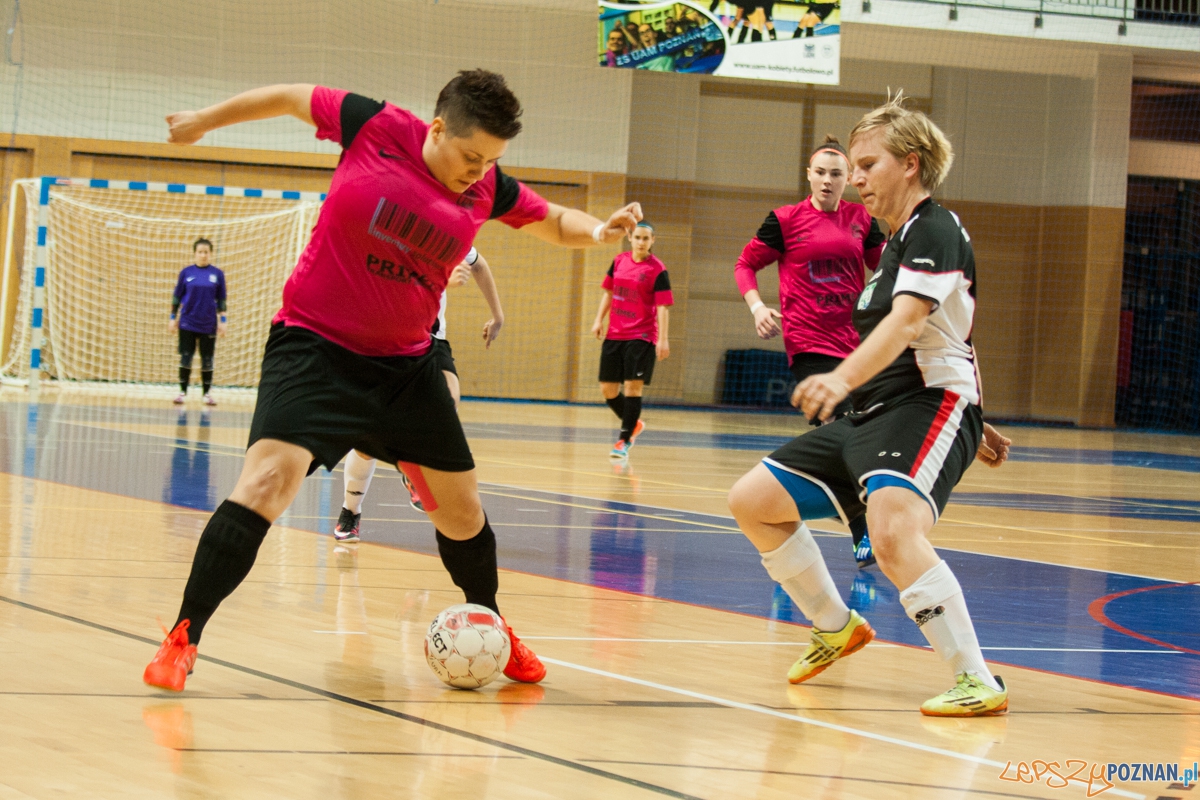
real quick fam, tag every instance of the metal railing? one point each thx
(1177, 12)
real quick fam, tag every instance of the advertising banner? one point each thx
(785, 40)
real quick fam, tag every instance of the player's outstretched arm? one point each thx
(571, 227)
(283, 99)
(818, 395)
(662, 348)
(487, 285)
(601, 313)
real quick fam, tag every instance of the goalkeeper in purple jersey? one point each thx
(198, 313)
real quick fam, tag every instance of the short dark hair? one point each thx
(199, 242)
(479, 99)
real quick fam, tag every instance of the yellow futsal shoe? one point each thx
(826, 647)
(970, 697)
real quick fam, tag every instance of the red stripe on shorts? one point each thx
(935, 430)
(413, 471)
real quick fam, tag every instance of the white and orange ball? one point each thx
(467, 646)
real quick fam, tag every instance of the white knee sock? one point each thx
(798, 567)
(359, 472)
(936, 603)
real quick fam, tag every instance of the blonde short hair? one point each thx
(907, 132)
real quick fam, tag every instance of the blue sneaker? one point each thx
(620, 449)
(863, 554)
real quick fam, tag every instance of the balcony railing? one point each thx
(1177, 12)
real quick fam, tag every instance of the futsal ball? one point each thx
(467, 646)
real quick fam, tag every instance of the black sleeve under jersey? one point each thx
(612, 268)
(356, 111)
(508, 190)
(770, 233)
(662, 283)
(875, 236)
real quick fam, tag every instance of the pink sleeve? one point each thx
(327, 112)
(871, 257)
(664, 298)
(755, 256)
(607, 283)
(530, 207)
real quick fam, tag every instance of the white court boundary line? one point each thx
(879, 737)
(805, 644)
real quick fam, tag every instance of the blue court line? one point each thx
(629, 547)
(1149, 508)
(765, 443)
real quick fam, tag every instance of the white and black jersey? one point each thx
(931, 258)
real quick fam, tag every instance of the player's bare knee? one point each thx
(742, 499)
(610, 390)
(634, 388)
(458, 522)
(268, 488)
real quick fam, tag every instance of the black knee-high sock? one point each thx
(185, 375)
(223, 558)
(206, 376)
(742, 35)
(629, 420)
(858, 528)
(472, 565)
(617, 404)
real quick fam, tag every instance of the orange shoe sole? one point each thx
(861, 637)
(164, 677)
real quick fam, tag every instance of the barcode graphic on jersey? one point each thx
(413, 233)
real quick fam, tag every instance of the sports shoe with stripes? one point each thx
(414, 499)
(620, 450)
(970, 697)
(826, 647)
(346, 530)
(637, 431)
(173, 662)
(523, 664)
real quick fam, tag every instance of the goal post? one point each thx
(100, 262)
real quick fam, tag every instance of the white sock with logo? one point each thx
(936, 603)
(798, 567)
(357, 478)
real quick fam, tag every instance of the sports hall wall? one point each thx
(1040, 129)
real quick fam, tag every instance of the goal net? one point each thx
(107, 255)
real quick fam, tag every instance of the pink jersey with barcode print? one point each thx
(389, 234)
(821, 255)
(638, 289)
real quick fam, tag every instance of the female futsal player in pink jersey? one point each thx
(824, 245)
(348, 363)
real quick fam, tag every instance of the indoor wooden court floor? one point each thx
(665, 641)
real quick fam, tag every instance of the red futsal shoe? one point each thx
(173, 662)
(523, 664)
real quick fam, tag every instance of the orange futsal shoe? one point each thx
(523, 664)
(173, 662)
(637, 431)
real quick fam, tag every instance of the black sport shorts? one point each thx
(929, 437)
(444, 355)
(806, 364)
(627, 360)
(329, 400)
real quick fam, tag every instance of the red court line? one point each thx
(1096, 609)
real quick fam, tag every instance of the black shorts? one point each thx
(627, 360)
(444, 355)
(806, 364)
(329, 400)
(187, 347)
(928, 437)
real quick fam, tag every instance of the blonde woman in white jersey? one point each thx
(359, 469)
